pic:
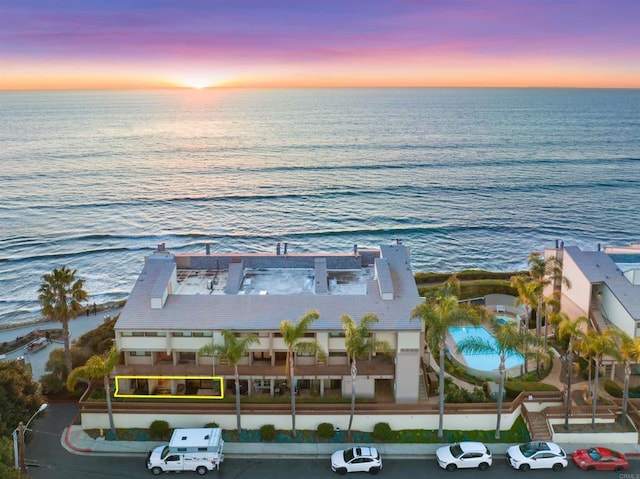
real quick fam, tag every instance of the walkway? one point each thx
(39, 358)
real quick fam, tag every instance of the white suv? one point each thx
(356, 459)
(464, 455)
(537, 455)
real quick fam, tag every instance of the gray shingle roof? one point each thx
(265, 312)
(598, 267)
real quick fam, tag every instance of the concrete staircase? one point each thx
(422, 389)
(538, 426)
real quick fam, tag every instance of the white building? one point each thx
(181, 302)
(605, 285)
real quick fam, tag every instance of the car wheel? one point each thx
(557, 467)
(201, 470)
(451, 467)
(525, 467)
(483, 466)
(591, 468)
(156, 471)
(342, 471)
(618, 468)
(374, 470)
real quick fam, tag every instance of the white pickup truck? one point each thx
(198, 450)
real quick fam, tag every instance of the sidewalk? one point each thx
(76, 441)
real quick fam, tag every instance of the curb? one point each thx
(66, 442)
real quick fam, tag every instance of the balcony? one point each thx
(379, 367)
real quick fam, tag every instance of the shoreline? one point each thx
(108, 306)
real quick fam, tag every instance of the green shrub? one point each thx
(160, 430)
(212, 424)
(513, 388)
(382, 432)
(268, 432)
(455, 394)
(325, 430)
(613, 388)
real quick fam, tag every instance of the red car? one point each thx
(599, 459)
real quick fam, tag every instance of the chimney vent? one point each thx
(278, 249)
(285, 247)
(207, 248)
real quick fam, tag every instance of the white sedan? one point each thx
(464, 455)
(537, 455)
(356, 459)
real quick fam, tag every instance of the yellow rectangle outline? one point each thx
(220, 379)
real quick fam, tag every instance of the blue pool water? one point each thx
(483, 362)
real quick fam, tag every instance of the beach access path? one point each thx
(38, 359)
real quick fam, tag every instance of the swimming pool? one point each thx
(483, 362)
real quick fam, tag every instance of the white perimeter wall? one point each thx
(463, 422)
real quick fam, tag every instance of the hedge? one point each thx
(476, 289)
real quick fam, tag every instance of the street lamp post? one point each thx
(18, 441)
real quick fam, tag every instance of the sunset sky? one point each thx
(69, 44)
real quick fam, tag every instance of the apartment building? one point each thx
(181, 302)
(604, 285)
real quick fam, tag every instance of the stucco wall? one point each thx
(580, 291)
(360, 422)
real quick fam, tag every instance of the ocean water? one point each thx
(468, 178)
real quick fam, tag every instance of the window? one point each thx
(153, 334)
(336, 334)
(202, 334)
(139, 353)
(187, 356)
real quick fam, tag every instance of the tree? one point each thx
(233, 349)
(629, 350)
(292, 335)
(508, 340)
(600, 345)
(572, 329)
(527, 295)
(360, 343)
(438, 313)
(544, 272)
(60, 296)
(97, 367)
(7, 469)
(20, 395)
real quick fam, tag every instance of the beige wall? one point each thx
(616, 313)
(579, 294)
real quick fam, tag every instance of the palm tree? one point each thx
(508, 340)
(601, 345)
(292, 335)
(629, 350)
(97, 367)
(438, 313)
(573, 329)
(527, 295)
(544, 272)
(359, 343)
(60, 295)
(233, 349)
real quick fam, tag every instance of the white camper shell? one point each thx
(198, 450)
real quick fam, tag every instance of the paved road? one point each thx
(47, 459)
